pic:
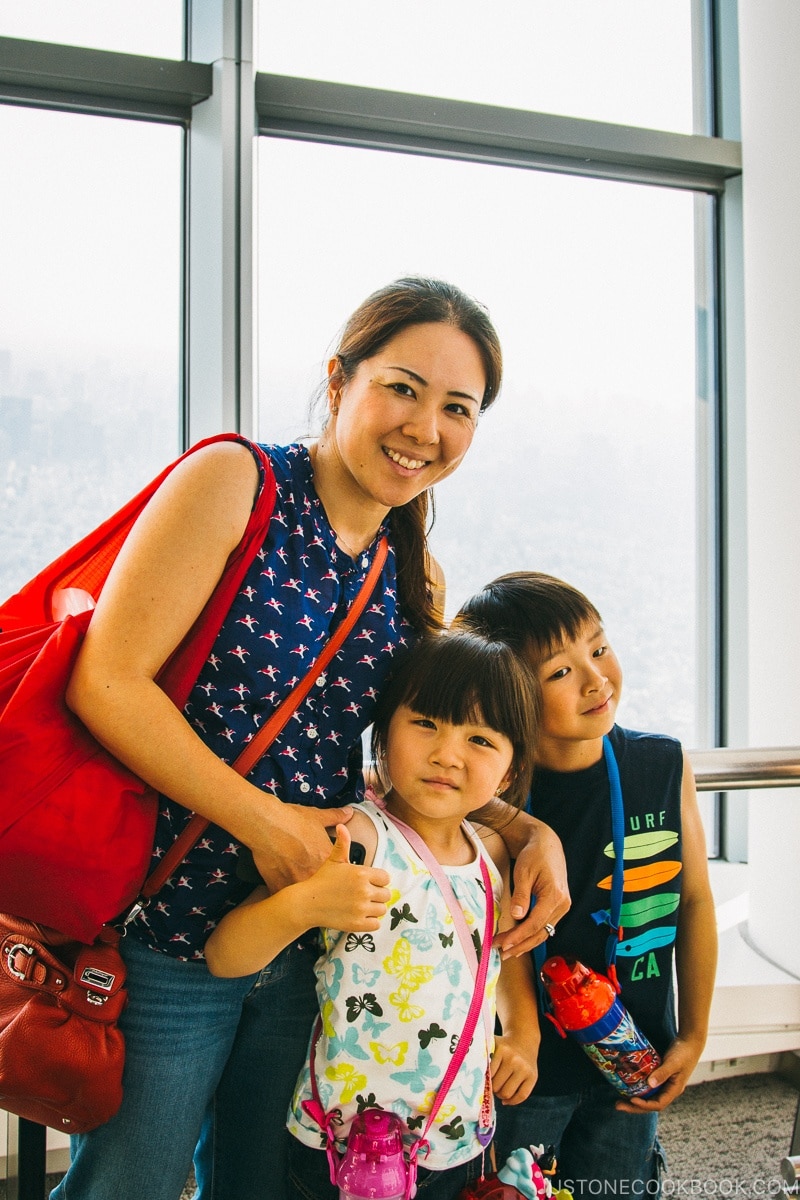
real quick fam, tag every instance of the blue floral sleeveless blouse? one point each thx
(294, 594)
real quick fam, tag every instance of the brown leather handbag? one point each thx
(61, 1053)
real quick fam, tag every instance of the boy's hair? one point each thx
(534, 613)
(462, 677)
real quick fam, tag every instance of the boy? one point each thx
(604, 1144)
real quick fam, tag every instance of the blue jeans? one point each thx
(600, 1151)
(182, 1027)
(309, 1177)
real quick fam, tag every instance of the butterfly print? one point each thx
(356, 1004)
(360, 941)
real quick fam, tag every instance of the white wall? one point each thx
(769, 33)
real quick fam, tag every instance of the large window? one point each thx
(165, 274)
(586, 467)
(90, 319)
(629, 62)
(146, 27)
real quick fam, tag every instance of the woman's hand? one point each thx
(540, 893)
(296, 843)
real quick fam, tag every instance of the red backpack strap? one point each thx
(85, 566)
(179, 673)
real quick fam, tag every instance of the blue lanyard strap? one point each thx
(612, 919)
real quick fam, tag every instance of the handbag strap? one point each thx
(263, 739)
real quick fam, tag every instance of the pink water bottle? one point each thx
(374, 1166)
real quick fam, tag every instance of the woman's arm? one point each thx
(338, 896)
(162, 578)
(517, 1047)
(695, 959)
(540, 876)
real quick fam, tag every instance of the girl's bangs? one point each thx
(464, 692)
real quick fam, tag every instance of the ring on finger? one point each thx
(549, 929)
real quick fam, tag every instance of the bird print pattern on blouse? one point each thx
(295, 592)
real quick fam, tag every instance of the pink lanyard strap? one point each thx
(314, 1108)
(456, 911)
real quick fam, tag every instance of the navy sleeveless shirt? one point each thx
(296, 591)
(578, 806)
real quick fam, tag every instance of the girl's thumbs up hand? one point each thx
(355, 902)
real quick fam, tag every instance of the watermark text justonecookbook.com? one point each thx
(683, 1189)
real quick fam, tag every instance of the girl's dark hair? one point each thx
(461, 677)
(416, 300)
(534, 613)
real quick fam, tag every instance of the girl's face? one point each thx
(443, 771)
(407, 417)
(581, 686)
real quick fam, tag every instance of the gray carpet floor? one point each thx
(730, 1135)
(722, 1139)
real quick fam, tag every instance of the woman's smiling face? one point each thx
(407, 417)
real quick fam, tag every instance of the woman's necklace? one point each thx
(354, 554)
(313, 453)
(346, 545)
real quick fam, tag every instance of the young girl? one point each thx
(455, 727)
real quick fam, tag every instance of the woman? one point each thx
(216, 1059)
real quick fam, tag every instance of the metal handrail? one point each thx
(725, 770)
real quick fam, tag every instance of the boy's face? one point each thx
(581, 685)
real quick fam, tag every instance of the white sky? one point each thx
(590, 283)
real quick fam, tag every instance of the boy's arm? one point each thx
(339, 895)
(695, 959)
(517, 1048)
(540, 872)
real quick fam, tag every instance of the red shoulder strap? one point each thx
(266, 735)
(177, 676)
(86, 564)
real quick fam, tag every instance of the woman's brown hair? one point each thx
(416, 300)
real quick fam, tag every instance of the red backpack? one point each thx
(65, 802)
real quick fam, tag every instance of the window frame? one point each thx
(225, 106)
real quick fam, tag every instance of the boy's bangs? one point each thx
(546, 644)
(537, 614)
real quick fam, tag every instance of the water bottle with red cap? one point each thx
(374, 1166)
(585, 1004)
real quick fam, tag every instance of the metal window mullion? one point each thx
(734, 617)
(349, 115)
(219, 318)
(103, 82)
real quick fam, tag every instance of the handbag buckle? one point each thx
(96, 978)
(138, 907)
(11, 954)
